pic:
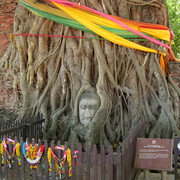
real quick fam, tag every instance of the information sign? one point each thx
(155, 154)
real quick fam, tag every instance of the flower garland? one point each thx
(32, 153)
(116, 145)
(59, 163)
(75, 156)
(2, 152)
(18, 153)
(50, 160)
(67, 154)
(15, 149)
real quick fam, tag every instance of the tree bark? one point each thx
(53, 73)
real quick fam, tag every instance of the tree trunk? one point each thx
(54, 72)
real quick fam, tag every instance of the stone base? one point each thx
(155, 176)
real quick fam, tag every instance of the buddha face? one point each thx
(87, 109)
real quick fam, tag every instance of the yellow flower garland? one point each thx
(59, 167)
(2, 149)
(49, 158)
(33, 151)
(32, 154)
(18, 153)
(2, 152)
(49, 155)
(7, 142)
(69, 157)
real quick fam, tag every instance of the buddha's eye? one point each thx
(93, 107)
(83, 107)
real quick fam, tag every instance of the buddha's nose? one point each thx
(87, 113)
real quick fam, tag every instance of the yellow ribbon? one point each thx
(78, 16)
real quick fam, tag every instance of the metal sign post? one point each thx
(177, 152)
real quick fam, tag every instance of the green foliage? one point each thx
(174, 20)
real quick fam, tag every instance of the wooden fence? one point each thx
(28, 127)
(114, 165)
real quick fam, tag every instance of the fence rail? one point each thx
(114, 165)
(28, 127)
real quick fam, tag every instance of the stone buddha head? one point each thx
(89, 103)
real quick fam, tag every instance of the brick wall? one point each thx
(7, 8)
(174, 71)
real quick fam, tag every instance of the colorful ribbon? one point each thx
(156, 30)
(67, 3)
(112, 28)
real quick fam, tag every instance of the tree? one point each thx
(53, 73)
(174, 21)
